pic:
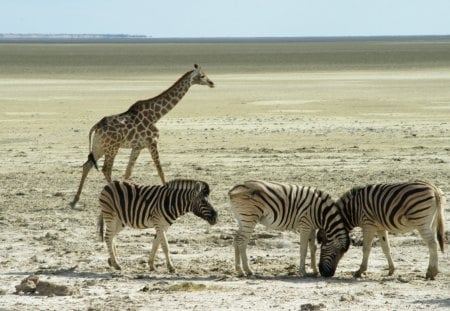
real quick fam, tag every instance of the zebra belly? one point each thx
(401, 225)
(270, 223)
(145, 225)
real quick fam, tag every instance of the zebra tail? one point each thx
(440, 201)
(100, 225)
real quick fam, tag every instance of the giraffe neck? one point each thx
(155, 108)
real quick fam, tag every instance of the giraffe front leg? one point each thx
(133, 157)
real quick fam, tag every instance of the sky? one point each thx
(227, 18)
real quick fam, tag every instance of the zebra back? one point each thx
(139, 206)
(285, 206)
(396, 207)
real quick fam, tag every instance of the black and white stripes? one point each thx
(396, 208)
(125, 204)
(288, 207)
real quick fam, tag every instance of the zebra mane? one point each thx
(355, 189)
(187, 184)
(350, 193)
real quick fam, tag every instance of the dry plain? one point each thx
(326, 114)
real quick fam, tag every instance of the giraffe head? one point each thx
(199, 77)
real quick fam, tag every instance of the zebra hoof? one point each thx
(357, 274)
(240, 274)
(114, 265)
(431, 273)
(249, 273)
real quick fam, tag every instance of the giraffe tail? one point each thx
(91, 157)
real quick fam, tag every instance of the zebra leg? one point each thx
(156, 242)
(165, 247)
(368, 235)
(240, 248)
(304, 237)
(133, 157)
(430, 238)
(237, 259)
(313, 248)
(384, 241)
(112, 229)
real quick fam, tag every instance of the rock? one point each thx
(32, 285)
(311, 307)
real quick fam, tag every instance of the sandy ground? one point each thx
(331, 130)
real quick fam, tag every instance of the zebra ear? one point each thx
(198, 187)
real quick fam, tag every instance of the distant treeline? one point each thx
(118, 38)
(36, 37)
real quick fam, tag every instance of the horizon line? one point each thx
(124, 38)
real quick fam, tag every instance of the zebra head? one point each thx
(201, 204)
(332, 249)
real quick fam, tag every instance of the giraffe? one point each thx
(135, 129)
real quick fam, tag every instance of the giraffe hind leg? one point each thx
(108, 165)
(155, 156)
(86, 168)
(133, 157)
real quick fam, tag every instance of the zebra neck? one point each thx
(350, 215)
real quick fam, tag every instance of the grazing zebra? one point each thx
(396, 208)
(289, 207)
(124, 204)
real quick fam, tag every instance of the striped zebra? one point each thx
(289, 207)
(396, 208)
(125, 204)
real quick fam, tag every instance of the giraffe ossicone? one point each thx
(135, 129)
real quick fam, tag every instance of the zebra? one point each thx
(397, 208)
(124, 204)
(289, 207)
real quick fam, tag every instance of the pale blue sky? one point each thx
(225, 18)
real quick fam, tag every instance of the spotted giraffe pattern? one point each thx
(135, 129)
